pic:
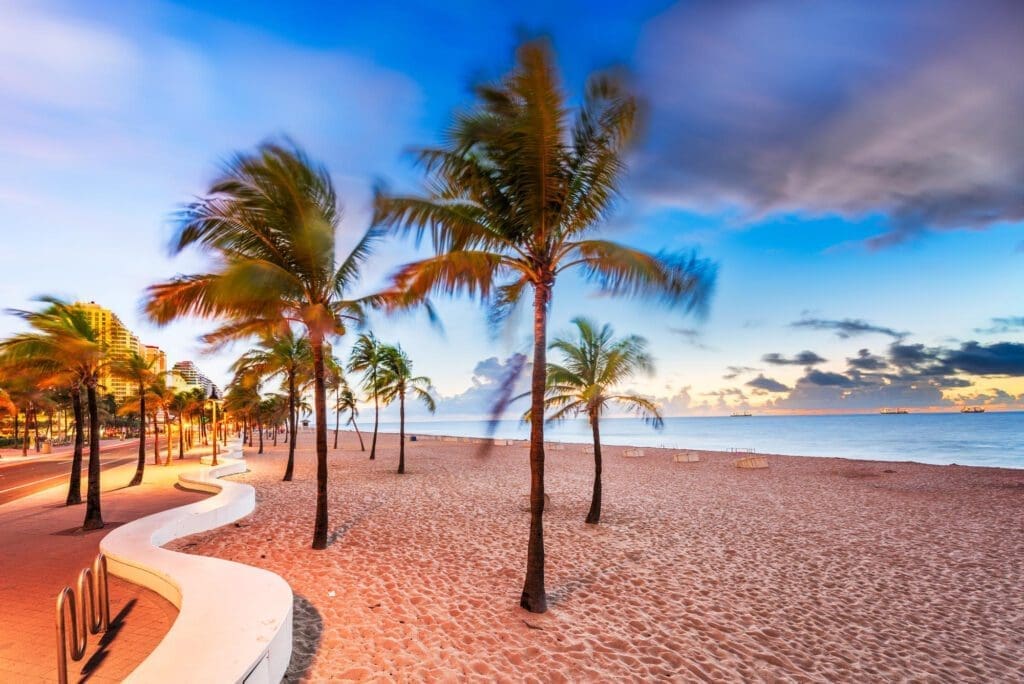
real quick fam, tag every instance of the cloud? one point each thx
(974, 358)
(827, 379)
(866, 361)
(840, 108)
(1003, 325)
(847, 327)
(691, 336)
(736, 371)
(476, 401)
(804, 358)
(767, 384)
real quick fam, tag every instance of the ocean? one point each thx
(981, 439)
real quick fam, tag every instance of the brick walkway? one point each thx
(43, 549)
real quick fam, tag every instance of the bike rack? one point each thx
(89, 608)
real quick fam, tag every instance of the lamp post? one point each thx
(214, 400)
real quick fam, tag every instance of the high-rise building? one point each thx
(119, 343)
(185, 376)
(158, 357)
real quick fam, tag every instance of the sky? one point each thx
(856, 170)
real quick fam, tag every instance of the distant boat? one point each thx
(741, 414)
(972, 409)
(894, 411)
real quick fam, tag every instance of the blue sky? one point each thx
(841, 164)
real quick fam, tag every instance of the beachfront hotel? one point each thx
(185, 375)
(120, 343)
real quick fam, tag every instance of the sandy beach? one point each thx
(816, 569)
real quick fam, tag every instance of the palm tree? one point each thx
(593, 364)
(135, 368)
(179, 405)
(512, 197)
(242, 400)
(281, 353)
(335, 383)
(366, 359)
(396, 381)
(159, 396)
(271, 222)
(346, 401)
(65, 350)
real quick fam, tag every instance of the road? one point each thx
(34, 475)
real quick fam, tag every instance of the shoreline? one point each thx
(605, 447)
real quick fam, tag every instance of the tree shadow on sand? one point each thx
(307, 627)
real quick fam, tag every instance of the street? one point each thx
(18, 479)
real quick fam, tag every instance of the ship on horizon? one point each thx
(972, 409)
(894, 411)
(741, 414)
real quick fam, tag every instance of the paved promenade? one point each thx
(44, 549)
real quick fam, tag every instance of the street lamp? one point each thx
(213, 401)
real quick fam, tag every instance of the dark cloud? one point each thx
(1001, 358)
(847, 327)
(911, 355)
(691, 336)
(736, 371)
(866, 361)
(827, 379)
(767, 384)
(804, 358)
(1003, 325)
(908, 110)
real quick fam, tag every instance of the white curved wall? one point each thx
(235, 621)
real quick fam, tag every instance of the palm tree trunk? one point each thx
(140, 467)
(337, 416)
(156, 439)
(401, 433)
(259, 429)
(75, 486)
(35, 427)
(320, 407)
(534, 597)
(93, 516)
(594, 516)
(24, 441)
(362, 447)
(290, 469)
(167, 429)
(376, 416)
(181, 438)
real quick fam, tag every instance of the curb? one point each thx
(235, 621)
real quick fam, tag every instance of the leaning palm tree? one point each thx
(65, 350)
(139, 371)
(346, 402)
(593, 364)
(513, 197)
(283, 353)
(365, 358)
(271, 224)
(396, 381)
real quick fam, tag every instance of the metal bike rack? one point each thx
(89, 608)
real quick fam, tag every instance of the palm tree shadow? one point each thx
(307, 627)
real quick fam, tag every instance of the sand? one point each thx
(813, 570)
